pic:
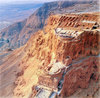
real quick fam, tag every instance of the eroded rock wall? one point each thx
(45, 46)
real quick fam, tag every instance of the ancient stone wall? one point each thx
(48, 82)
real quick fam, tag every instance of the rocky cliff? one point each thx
(61, 59)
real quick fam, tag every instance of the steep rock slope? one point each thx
(19, 33)
(62, 58)
(9, 70)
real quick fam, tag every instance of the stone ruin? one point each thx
(48, 82)
(72, 25)
(35, 90)
(54, 74)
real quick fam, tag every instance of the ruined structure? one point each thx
(71, 26)
(63, 57)
(35, 91)
(48, 83)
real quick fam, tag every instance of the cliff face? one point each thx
(67, 48)
(19, 33)
(80, 76)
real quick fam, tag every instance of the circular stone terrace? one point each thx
(67, 33)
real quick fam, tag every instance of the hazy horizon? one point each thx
(33, 1)
(23, 1)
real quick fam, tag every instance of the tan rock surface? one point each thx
(45, 47)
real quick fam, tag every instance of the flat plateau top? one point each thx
(72, 25)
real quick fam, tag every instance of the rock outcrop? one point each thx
(80, 75)
(56, 51)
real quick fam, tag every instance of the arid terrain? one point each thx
(60, 60)
(11, 13)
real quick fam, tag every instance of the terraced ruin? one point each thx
(62, 60)
(59, 55)
(71, 28)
